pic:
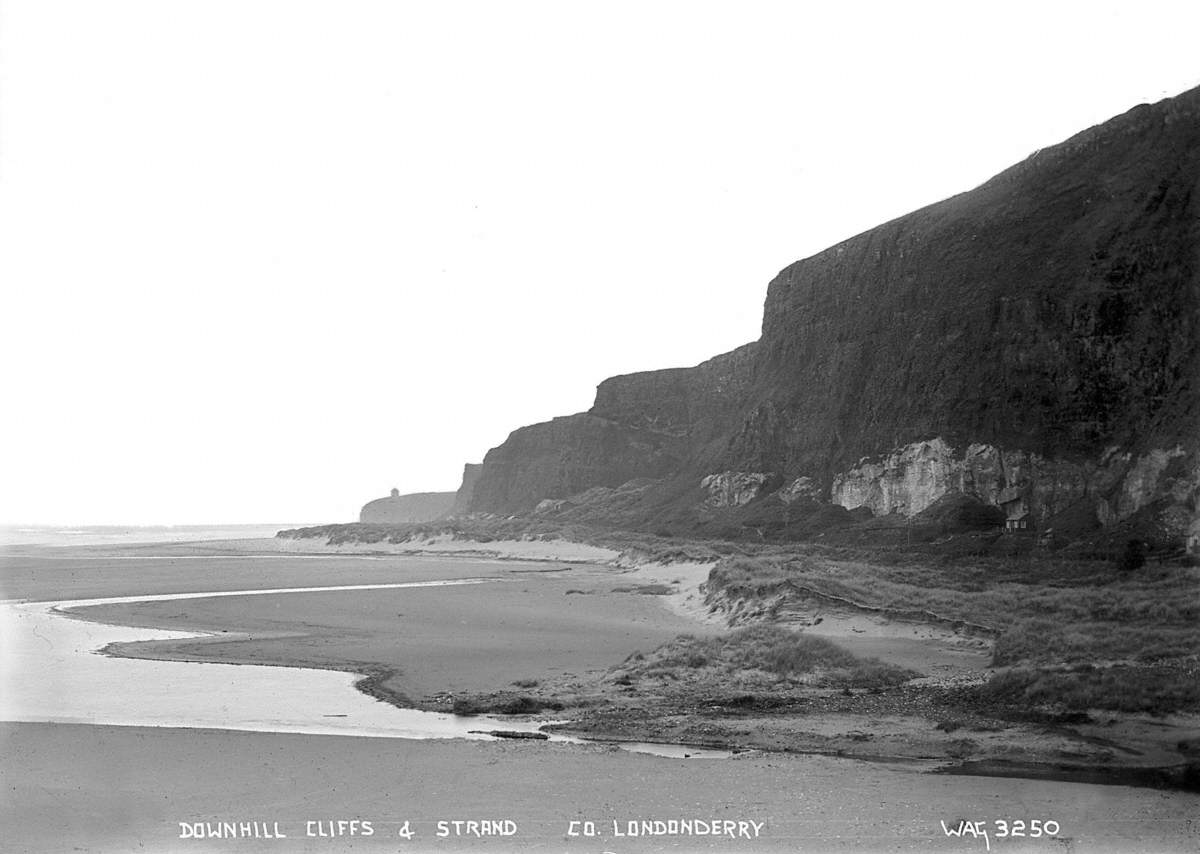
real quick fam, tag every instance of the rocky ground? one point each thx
(920, 724)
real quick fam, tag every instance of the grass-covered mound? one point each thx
(503, 703)
(762, 655)
(1156, 690)
(1077, 634)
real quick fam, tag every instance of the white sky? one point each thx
(266, 260)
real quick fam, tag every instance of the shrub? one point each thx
(466, 707)
(502, 704)
(1133, 557)
(776, 651)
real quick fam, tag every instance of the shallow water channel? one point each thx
(52, 670)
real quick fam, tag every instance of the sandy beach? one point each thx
(529, 624)
(124, 788)
(120, 789)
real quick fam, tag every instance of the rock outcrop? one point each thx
(735, 488)
(397, 509)
(1033, 340)
(911, 478)
(1114, 487)
(801, 489)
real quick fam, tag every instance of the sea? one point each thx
(103, 535)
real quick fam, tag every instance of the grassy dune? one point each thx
(1078, 634)
(763, 654)
(1130, 639)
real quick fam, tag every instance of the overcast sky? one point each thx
(263, 261)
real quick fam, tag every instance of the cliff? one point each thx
(466, 491)
(397, 509)
(1031, 343)
(568, 455)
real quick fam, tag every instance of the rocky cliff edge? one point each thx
(1031, 344)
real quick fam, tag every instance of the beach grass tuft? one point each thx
(770, 651)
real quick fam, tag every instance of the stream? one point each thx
(53, 670)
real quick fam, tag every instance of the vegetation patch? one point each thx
(1156, 690)
(991, 592)
(1080, 633)
(646, 589)
(1165, 631)
(634, 545)
(503, 703)
(765, 654)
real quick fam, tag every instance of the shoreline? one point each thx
(443, 545)
(838, 733)
(63, 796)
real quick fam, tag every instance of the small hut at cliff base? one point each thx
(1018, 523)
(1016, 509)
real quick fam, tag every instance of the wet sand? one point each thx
(122, 789)
(104, 788)
(526, 624)
(102, 571)
(50, 672)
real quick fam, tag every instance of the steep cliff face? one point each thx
(695, 407)
(1053, 309)
(1035, 337)
(466, 491)
(565, 456)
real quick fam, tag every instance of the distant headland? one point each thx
(400, 509)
